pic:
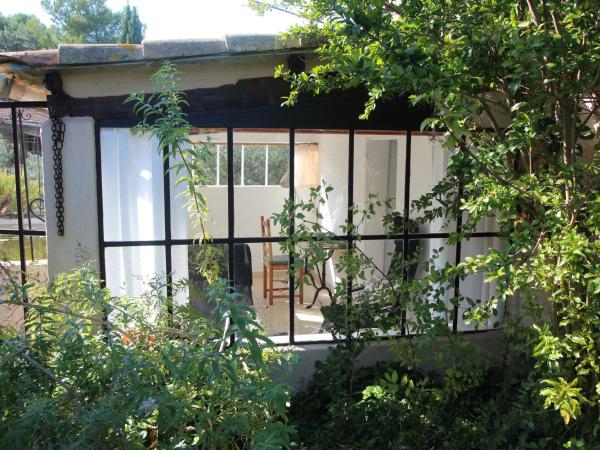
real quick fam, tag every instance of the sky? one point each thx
(181, 19)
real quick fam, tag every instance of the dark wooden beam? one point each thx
(257, 102)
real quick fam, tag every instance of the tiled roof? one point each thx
(92, 54)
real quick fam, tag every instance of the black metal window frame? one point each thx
(22, 232)
(168, 242)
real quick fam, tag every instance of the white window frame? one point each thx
(221, 183)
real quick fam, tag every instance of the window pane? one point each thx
(184, 224)
(36, 259)
(379, 162)
(185, 260)
(474, 290)
(8, 187)
(429, 162)
(252, 202)
(29, 123)
(132, 186)
(321, 159)
(131, 270)
(269, 286)
(319, 283)
(248, 282)
(279, 163)
(209, 166)
(223, 165)
(237, 165)
(381, 268)
(10, 278)
(254, 165)
(427, 256)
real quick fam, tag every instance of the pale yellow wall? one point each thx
(110, 80)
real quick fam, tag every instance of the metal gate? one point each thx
(22, 214)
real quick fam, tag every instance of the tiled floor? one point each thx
(275, 318)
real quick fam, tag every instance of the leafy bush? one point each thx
(515, 88)
(144, 379)
(392, 407)
(469, 403)
(8, 192)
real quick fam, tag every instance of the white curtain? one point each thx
(306, 164)
(132, 192)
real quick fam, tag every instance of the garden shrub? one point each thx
(471, 400)
(8, 194)
(143, 379)
(514, 88)
(393, 407)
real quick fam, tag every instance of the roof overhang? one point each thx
(22, 73)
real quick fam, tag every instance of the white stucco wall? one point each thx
(80, 242)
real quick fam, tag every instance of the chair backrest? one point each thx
(265, 228)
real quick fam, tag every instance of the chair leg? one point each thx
(301, 286)
(270, 285)
(264, 280)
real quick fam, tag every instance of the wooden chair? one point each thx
(272, 263)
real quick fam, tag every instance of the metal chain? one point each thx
(58, 137)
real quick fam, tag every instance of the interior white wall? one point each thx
(80, 242)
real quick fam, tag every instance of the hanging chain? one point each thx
(58, 137)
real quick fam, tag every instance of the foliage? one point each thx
(74, 21)
(131, 29)
(471, 400)
(24, 32)
(515, 86)
(8, 192)
(149, 379)
(392, 407)
(8, 195)
(83, 21)
(163, 116)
